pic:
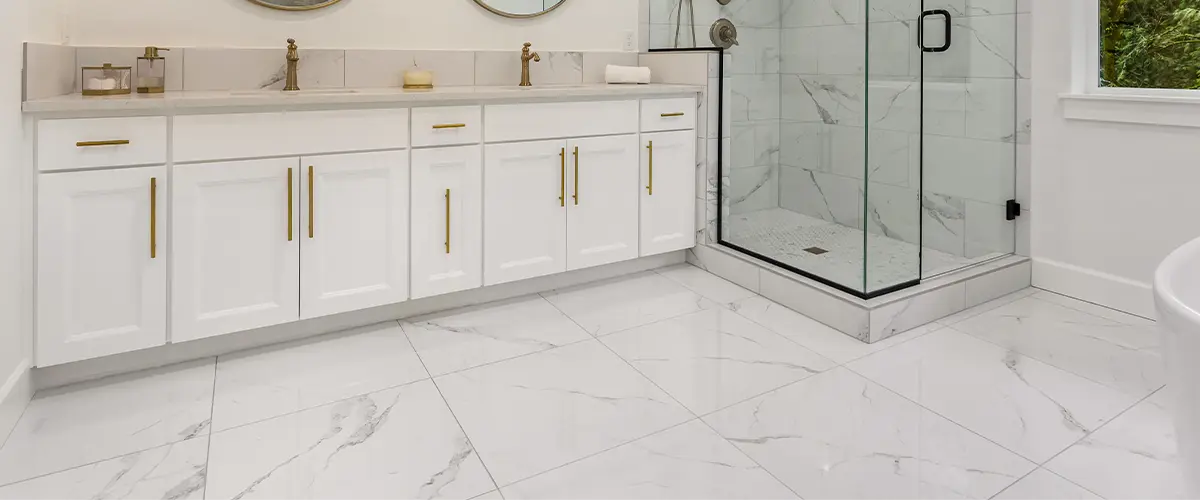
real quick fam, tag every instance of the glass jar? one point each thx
(151, 72)
(106, 80)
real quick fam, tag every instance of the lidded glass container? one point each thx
(151, 72)
(107, 79)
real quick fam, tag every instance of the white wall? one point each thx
(20, 20)
(1113, 199)
(406, 24)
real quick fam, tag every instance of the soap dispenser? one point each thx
(151, 72)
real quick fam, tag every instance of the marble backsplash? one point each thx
(52, 70)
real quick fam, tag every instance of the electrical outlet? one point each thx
(630, 44)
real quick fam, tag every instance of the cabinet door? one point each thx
(235, 247)
(447, 222)
(354, 253)
(525, 210)
(668, 191)
(602, 215)
(102, 263)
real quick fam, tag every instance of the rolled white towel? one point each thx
(626, 74)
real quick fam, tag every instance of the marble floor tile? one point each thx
(109, 418)
(533, 413)
(1093, 309)
(397, 443)
(1044, 485)
(174, 471)
(1018, 402)
(1134, 456)
(1121, 356)
(707, 284)
(824, 340)
(685, 462)
(974, 311)
(264, 383)
(626, 302)
(491, 495)
(839, 435)
(466, 338)
(711, 359)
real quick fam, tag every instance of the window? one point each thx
(1147, 44)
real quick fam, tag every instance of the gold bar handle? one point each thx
(650, 186)
(449, 125)
(153, 217)
(562, 193)
(447, 221)
(576, 195)
(311, 203)
(290, 215)
(672, 115)
(92, 144)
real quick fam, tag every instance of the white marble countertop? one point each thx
(197, 100)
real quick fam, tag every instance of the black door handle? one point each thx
(921, 30)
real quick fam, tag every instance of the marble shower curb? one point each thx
(875, 319)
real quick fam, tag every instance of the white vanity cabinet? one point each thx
(447, 220)
(198, 223)
(668, 184)
(236, 239)
(354, 235)
(525, 210)
(602, 211)
(102, 263)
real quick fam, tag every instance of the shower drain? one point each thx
(816, 250)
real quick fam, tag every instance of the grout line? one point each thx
(698, 417)
(474, 450)
(212, 409)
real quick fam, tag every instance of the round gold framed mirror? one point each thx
(520, 9)
(295, 4)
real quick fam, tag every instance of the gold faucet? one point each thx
(293, 62)
(526, 55)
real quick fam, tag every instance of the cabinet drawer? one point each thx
(101, 142)
(524, 122)
(448, 126)
(252, 135)
(668, 114)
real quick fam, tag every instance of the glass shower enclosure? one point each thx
(870, 143)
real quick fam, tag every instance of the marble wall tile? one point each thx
(890, 47)
(998, 283)
(816, 194)
(1025, 45)
(385, 68)
(754, 188)
(803, 13)
(800, 51)
(253, 69)
(50, 70)
(504, 68)
(755, 97)
(991, 109)
(595, 64)
(894, 212)
(943, 226)
(987, 230)
(127, 56)
(969, 168)
(805, 145)
(689, 68)
(758, 52)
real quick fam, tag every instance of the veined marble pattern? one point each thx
(852, 428)
(1023, 404)
(599, 418)
(273, 381)
(402, 442)
(1119, 355)
(109, 418)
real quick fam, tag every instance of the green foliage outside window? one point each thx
(1150, 44)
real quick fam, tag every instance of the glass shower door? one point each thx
(969, 133)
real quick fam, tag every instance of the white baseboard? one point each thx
(1122, 294)
(14, 397)
(55, 376)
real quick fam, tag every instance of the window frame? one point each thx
(1087, 60)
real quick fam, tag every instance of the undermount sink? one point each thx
(295, 92)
